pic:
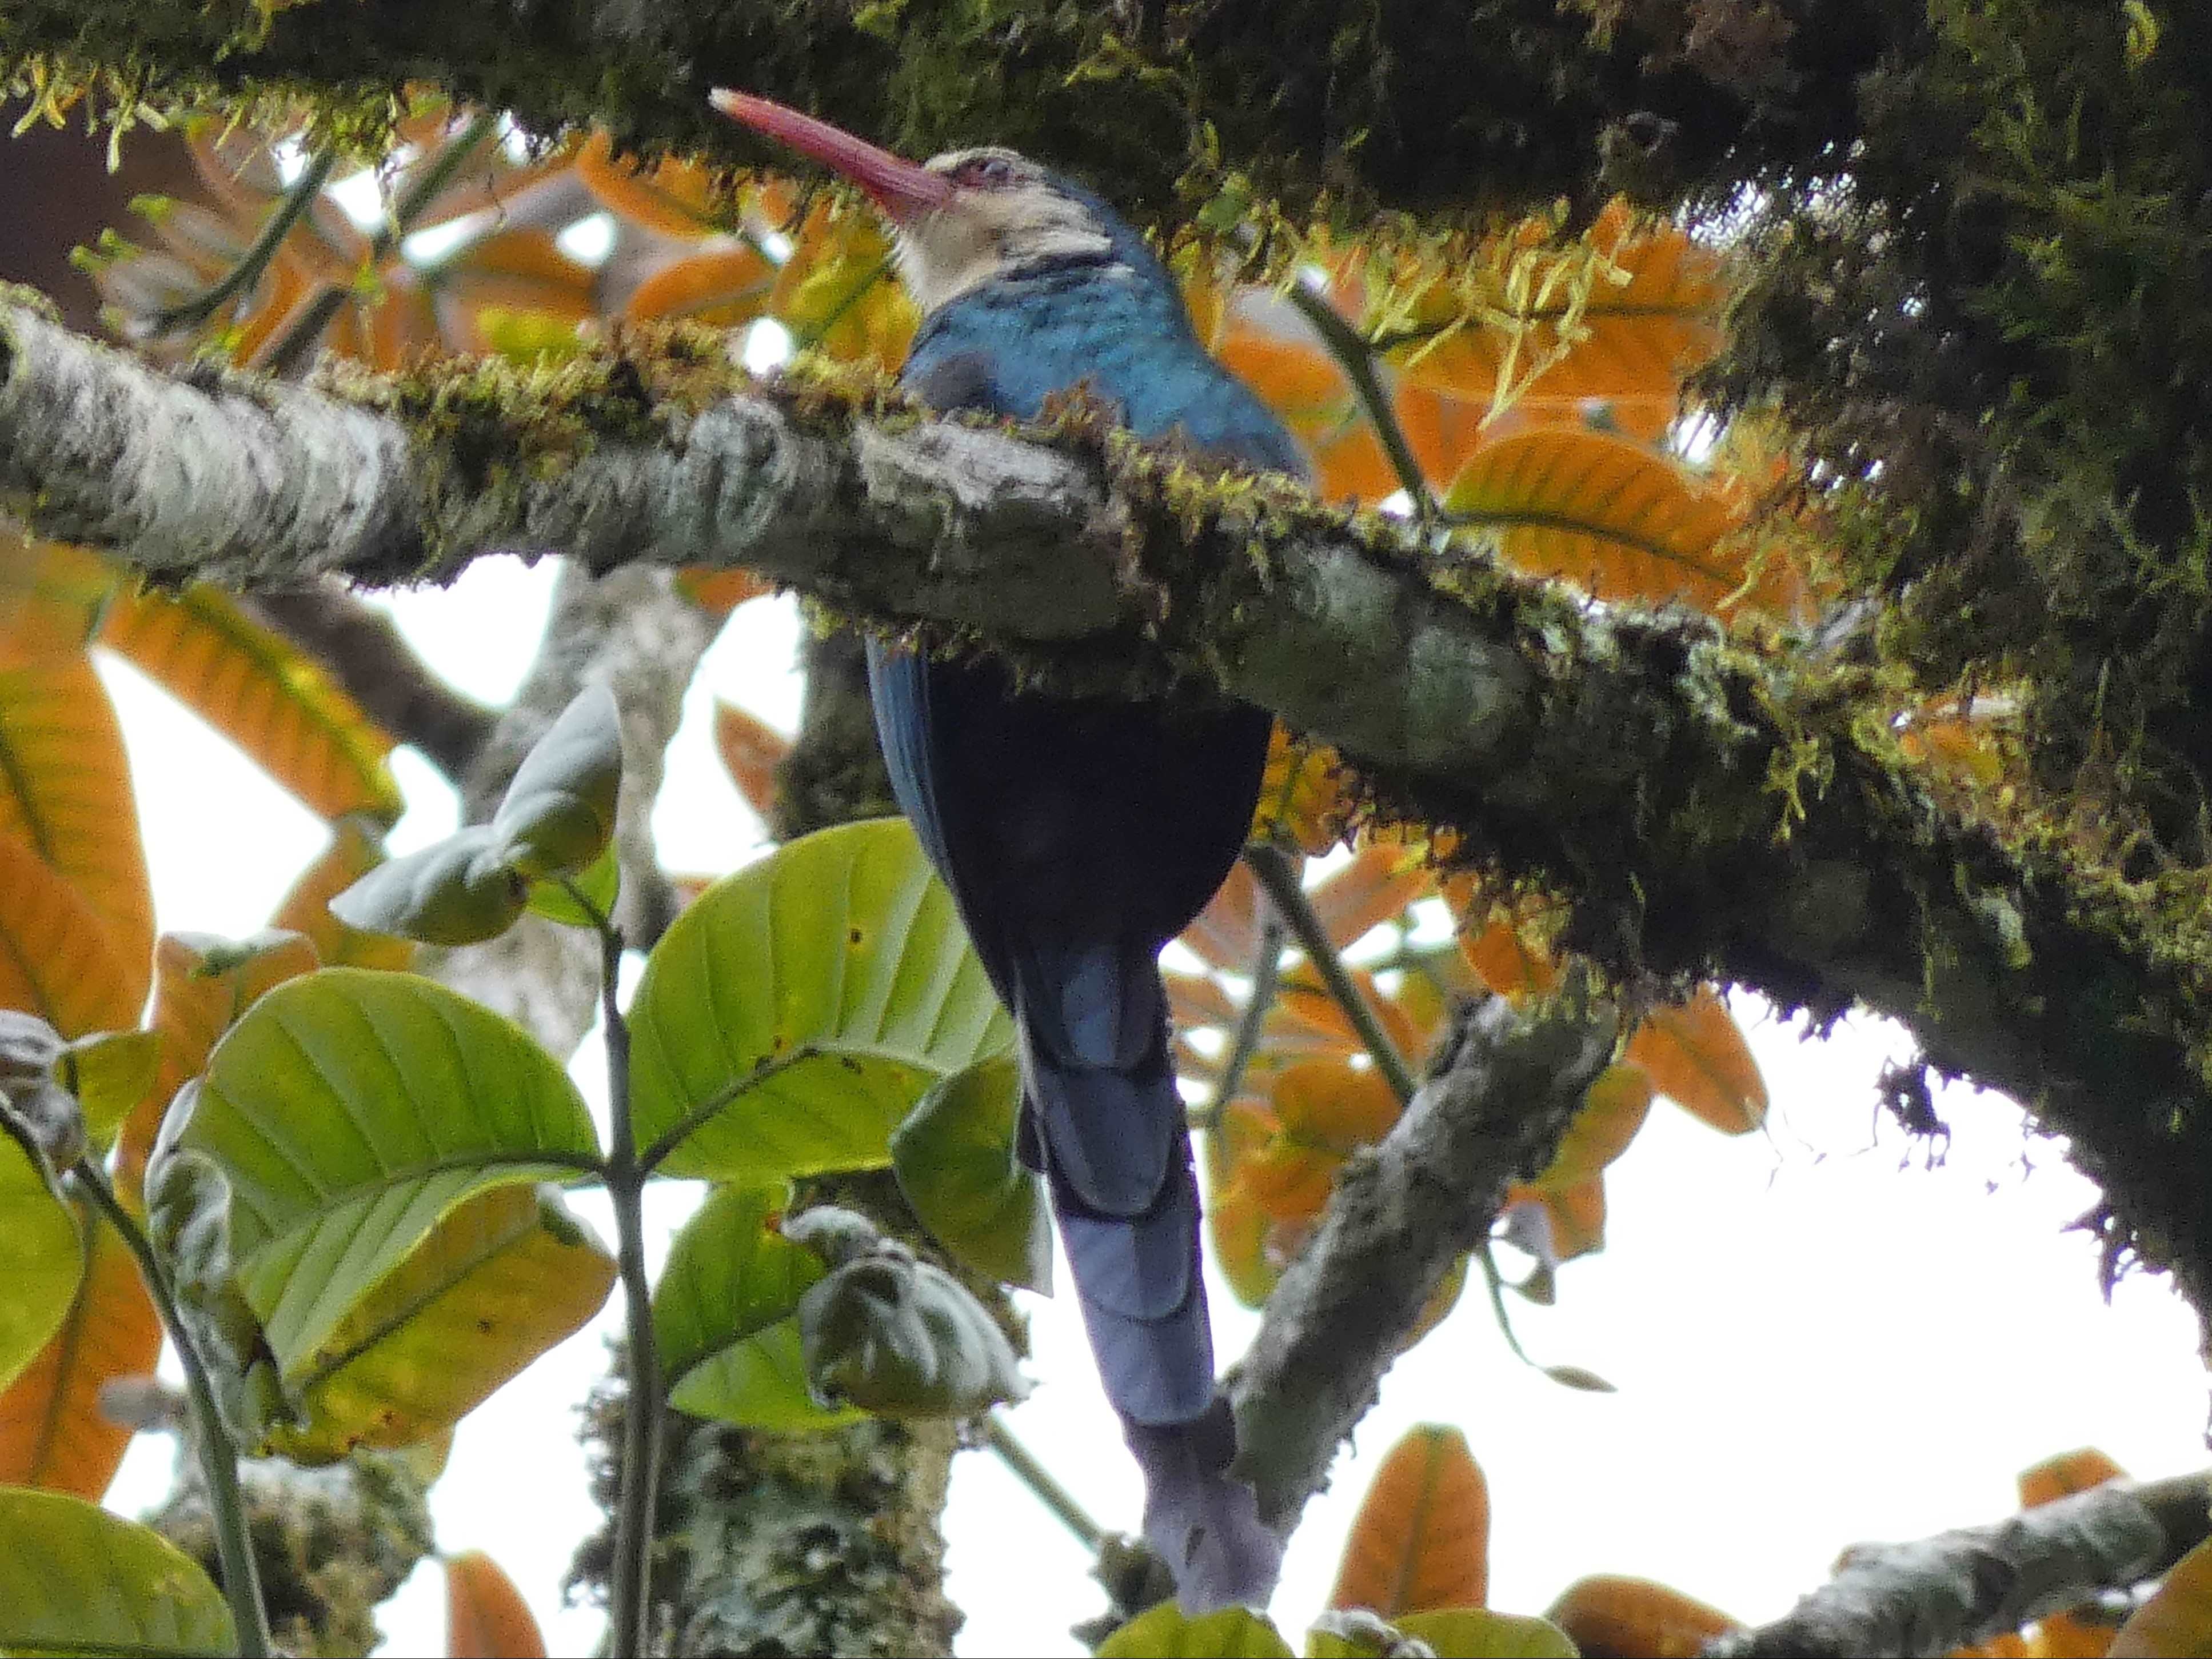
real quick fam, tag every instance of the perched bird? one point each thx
(1080, 836)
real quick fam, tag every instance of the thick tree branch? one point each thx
(1418, 104)
(1713, 805)
(1500, 1092)
(1961, 1588)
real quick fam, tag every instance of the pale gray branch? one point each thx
(1959, 1589)
(1501, 1091)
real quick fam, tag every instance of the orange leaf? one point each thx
(2064, 1636)
(720, 591)
(1239, 1226)
(1226, 934)
(1697, 1058)
(1606, 513)
(352, 852)
(751, 751)
(1610, 1617)
(1438, 1307)
(1306, 1016)
(1421, 1540)
(1574, 1216)
(2065, 1474)
(675, 197)
(486, 1617)
(520, 268)
(1194, 1001)
(52, 1434)
(263, 693)
(58, 957)
(2176, 1621)
(1614, 1109)
(724, 286)
(1303, 798)
(1376, 887)
(1508, 962)
(65, 792)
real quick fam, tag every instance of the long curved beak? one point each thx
(902, 189)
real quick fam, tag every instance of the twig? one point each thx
(1280, 878)
(1266, 974)
(217, 1453)
(307, 326)
(1358, 359)
(191, 314)
(628, 1627)
(1039, 1480)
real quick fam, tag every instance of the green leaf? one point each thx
(558, 814)
(110, 1073)
(1165, 1633)
(759, 1384)
(722, 1315)
(729, 1274)
(188, 1218)
(894, 1335)
(501, 1278)
(954, 1157)
(349, 1111)
(41, 1256)
(75, 1579)
(460, 891)
(1477, 1633)
(601, 884)
(790, 1018)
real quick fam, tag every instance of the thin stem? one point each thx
(218, 1454)
(1281, 877)
(190, 313)
(1267, 973)
(1358, 361)
(867, 279)
(316, 315)
(630, 1617)
(1039, 1480)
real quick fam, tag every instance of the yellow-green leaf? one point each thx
(954, 1158)
(111, 1073)
(41, 1256)
(349, 1111)
(501, 1278)
(353, 851)
(1165, 1632)
(794, 1013)
(53, 1432)
(75, 1579)
(264, 693)
(1478, 1633)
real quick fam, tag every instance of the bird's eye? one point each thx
(986, 170)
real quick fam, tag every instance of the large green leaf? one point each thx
(349, 1111)
(954, 1157)
(790, 1018)
(75, 1579)
(500, 1279)
(722, 1315)
(41, 1256)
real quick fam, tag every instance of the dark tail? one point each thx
(1132, 1248)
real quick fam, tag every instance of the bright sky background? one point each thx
(1816, 1339)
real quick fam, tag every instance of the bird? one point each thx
(1078, 834)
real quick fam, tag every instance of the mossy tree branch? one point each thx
(1409, 106)
(1713, 805)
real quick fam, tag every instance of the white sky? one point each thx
(1815, 1340)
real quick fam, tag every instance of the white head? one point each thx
(966, 217)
